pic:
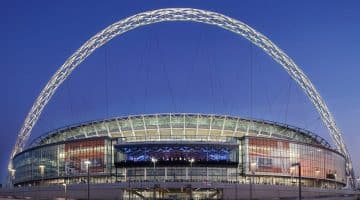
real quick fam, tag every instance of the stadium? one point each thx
(179, 155)
(182, 148)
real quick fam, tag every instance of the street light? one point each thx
(64, 184)
(192, 160)
(87, 163)
(128, 179)
(299, 168)
(317, 172)
(252, 169)
(42, 170)
(154, 160)
(12, 174)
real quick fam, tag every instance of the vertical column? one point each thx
(239, 156)
(207, 174)
(125, 174)
(145, 174)
(227, 174)
(58, 162)
(116, 174)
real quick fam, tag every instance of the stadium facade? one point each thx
(179, 148)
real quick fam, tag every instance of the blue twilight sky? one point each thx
(179, 66)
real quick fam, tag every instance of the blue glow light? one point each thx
(176, 153)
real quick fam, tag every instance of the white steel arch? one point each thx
(182, 14)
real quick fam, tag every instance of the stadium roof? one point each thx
(177, 125)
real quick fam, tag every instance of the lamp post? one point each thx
(192, 160)
(154, 160)
(65, 195)
(42, 170)
(299, 168)
(252, 169)
(317, 172)
(87, 163)
(128, 179)
(292, 171)
(12, 174)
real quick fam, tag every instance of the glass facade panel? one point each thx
(164, 121)
(220, 146)
(217, 123)
(63, 160)
(277, 156)
(177, 121)
(101, 129)
(204, 122)
(191, 121)
(113, 127)
(230, 124)
(151, 122)
(125, 125)
(242, 126)
(138, 123)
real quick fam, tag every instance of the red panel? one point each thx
(77, 152)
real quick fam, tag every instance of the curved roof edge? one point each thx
(306, 133)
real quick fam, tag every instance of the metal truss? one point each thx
(182, 14)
